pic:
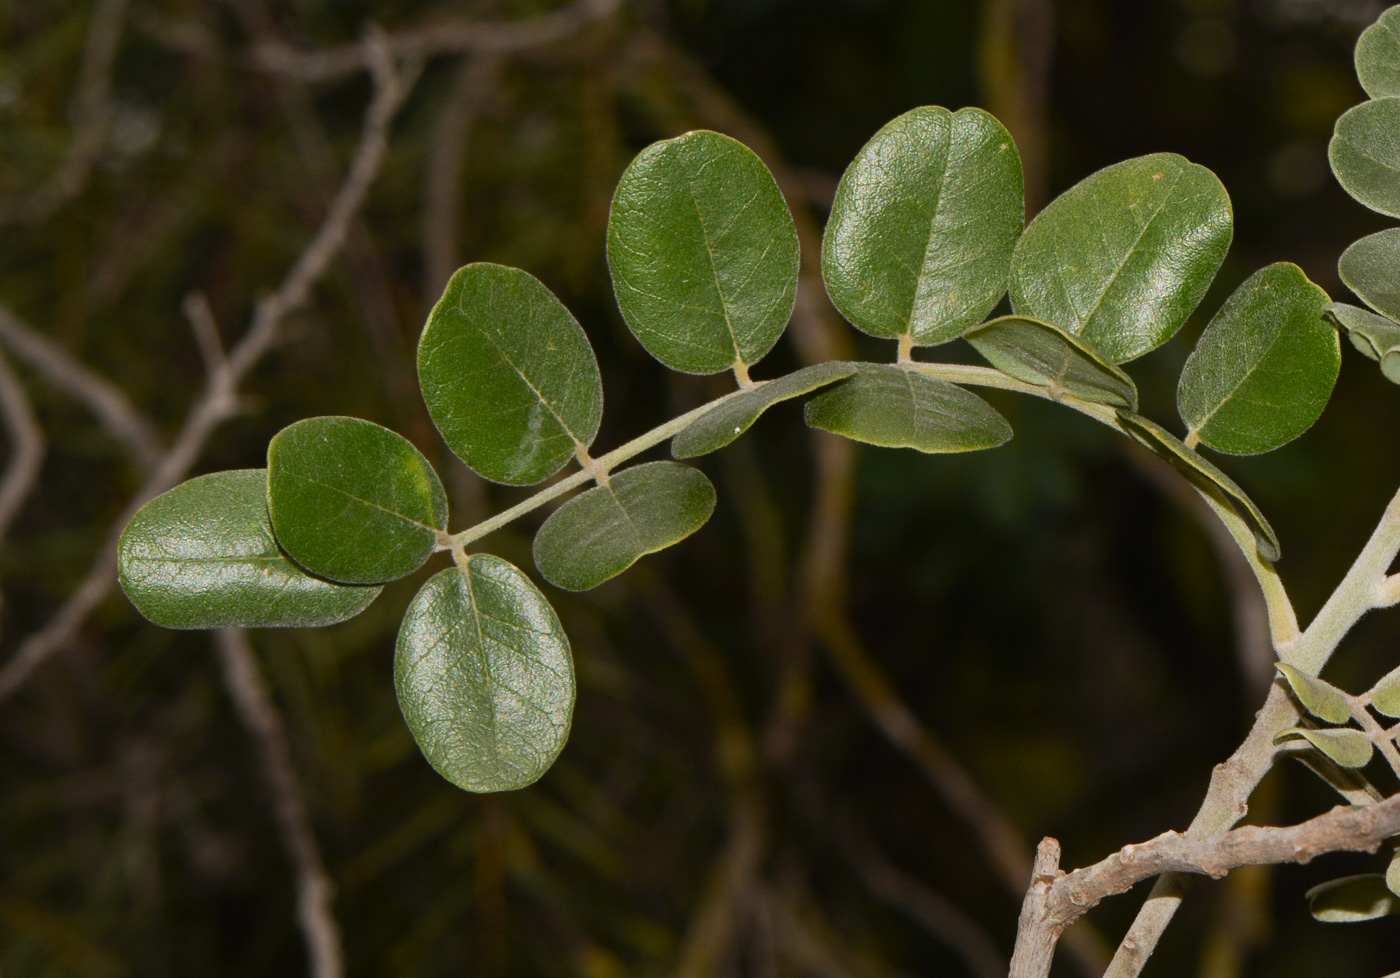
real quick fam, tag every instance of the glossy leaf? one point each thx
(1352, 899)
(1375, 336)
(599, 534)
(1047, 356)
(1345, 745)
(892, 407)
(1264, 369)
(485, 677)
(1371, 269)
(727, 421)
(1365, 154)
(353, 501)
(1319, 697)
(202, 555)
(1205, 475)
(923, 225)
(1123, 257)
(1378, 56)
(1385, 695)
(508, 375)
(703, 253)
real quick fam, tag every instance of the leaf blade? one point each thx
(1377, 56)
(1045, 355)
(1319, 697)
(1352, 899)
(1348, 747)
(1385, 695)
(1365, 154)
(1368, 267)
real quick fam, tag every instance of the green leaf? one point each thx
(203, 556)
(1319, 697)
(1264, 369)
(703, 253)
(1045, 355)
(893, 407)
(1378, 56)
(1385, 695)
(1204, 475)
(484, 676)
(1352, 899)
(1349, 783)
(1392, 874)
(1365, 154)
(1346, 746)
(353, 501)
(1375, 336)
(508, 375)
(727, 421)
(1371, 269)
(599, 534)
(1123, 257)
(923, 225)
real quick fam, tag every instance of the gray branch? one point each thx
(26, 443)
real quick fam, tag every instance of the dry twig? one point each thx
(26, 443)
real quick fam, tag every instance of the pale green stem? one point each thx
(1381, 737)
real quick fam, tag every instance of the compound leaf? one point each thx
(727, 421)
(353, 501)
(1352, 899)
(886, 405)
(202, 555)
(703, 253)
(1371, 269)
(599, 534)
(1365, 154)
(1203, 474)
(1346, 746)
(1046, 355)
(508, 375)
(1124, 256)
(1385, 695)
(484, 676)
(1264, 368)
(1378, 56)
(1375, 336)
(923, 225)
(1319, 697)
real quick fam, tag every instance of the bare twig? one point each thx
(247, 688)
(206, 332)
(219, 401)
(26, 443)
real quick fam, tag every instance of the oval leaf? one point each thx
(1385, 695)
(484, 676)
(1264, 369)
(202, 555)
(508, 375)
(703, 253)
(1204, 475)
(1375, 336)
(893, 407)
(1123, 257)
(1365, 154)
(1045, 355)
(1378, 56)
(353, 501)
(1352, 899)
(1371, 269)
(1320, 698)
(604, 531)
(717, 428)
(1348, 747)
(923, 225)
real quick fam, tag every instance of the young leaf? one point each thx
(1371, 269)
(1047, 356)
(508, 375)
(1122, 257)
(923, 225)
(890, 406)
(717, 428)
(1378, 56)
(1319, 697)
(353, 501)
(1375, 336)
(1203, 474)
(1365, 154)
(1392, 874)
(599, 534)
(1352, 899)
(1264, 369)
(1345, 745)
(202, 555)
(703, 253)
(1385, 695)
(484, 676)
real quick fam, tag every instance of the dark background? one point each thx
(1051, 616)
